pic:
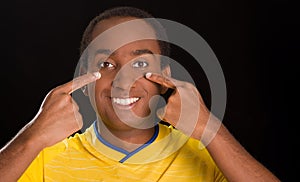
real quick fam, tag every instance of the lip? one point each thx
(124, 103)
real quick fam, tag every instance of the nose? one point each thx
(125, 78)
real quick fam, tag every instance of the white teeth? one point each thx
(125, 101)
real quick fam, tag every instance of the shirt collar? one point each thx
(165, 141)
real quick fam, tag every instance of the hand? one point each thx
(59, 115)
(185, 107)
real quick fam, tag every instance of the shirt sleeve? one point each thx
(35, 170)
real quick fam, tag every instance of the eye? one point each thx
(105, 65)
(140, 63)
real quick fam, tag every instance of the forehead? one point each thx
(127, 33)
(131, 25)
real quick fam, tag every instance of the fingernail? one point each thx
(148, 75)
(97, 74)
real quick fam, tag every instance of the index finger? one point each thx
(80, 81)
(157, 78)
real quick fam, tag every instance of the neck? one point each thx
(128, 140)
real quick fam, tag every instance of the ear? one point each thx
(166, 71)
(84, 89)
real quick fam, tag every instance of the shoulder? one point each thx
(191, 147)
(35, 172)
(72, 142)
(195, 156)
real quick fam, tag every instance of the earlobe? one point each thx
(166, 71)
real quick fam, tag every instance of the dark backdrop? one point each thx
(253, 41)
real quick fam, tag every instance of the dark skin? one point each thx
(137, 56)
(58, 118)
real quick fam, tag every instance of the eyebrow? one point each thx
(141, 51)
(103, 51)
(137, 52)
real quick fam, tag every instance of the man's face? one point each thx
(123, 93)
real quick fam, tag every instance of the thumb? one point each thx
(161, 113)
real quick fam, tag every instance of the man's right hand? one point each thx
(59, 115)
(57, 119)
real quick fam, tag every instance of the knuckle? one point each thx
(189, 85)
(52, 92)
(79, 120)
(67, 99)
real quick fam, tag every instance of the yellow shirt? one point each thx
(167, 156)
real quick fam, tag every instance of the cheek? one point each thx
(151, 101)
(152, 88)
(104, 82)
(102, 91)
(102, 87)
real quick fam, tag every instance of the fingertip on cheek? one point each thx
(97, 75)
(148, 75)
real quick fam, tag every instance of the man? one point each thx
(122, 71)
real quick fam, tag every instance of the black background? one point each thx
(254, 41)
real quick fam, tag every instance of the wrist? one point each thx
(32, 139)
(207, 128)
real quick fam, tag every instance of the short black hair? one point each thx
(125, 11)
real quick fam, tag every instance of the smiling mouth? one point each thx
(125, 101)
